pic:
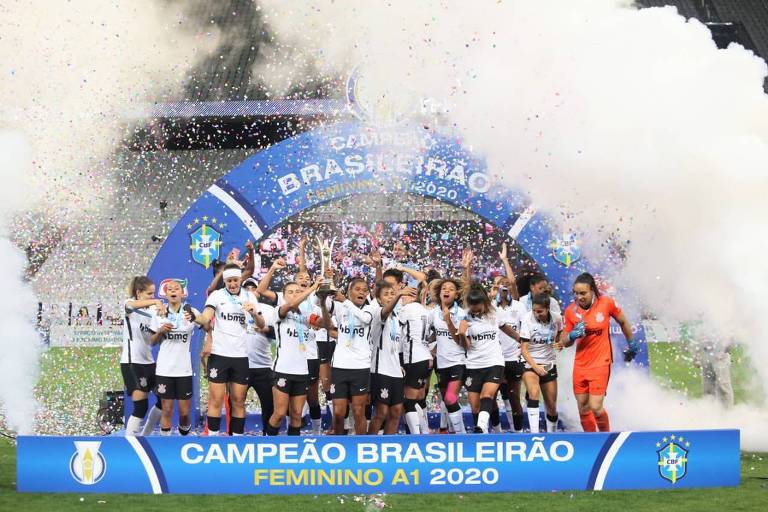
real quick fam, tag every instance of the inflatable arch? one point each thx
(336, 161)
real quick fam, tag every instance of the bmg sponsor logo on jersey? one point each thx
(673, 458)
(87, 464)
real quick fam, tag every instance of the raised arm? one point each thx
(510, 273)
(418, 275)
(466, 262)
(250, 265)
(297, 299)
(215, 282)
(303, 255)
(263, 288)
(138, 304)
(387, 310)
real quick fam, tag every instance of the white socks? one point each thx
(413, 420)
(133, 427)
(423, 422)
(153, 420)
(551, 424)
(457, 422)
(482, 421)
(317, 426)
(533, 419)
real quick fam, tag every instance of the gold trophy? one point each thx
(326, 287)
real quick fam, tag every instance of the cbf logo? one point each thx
(87, 464)
(205, 242)
(673, 458)
(566, 250)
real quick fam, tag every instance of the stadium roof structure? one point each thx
(226, 84)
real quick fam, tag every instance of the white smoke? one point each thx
(71, 72)
(632, 121)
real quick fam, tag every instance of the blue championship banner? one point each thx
(376, 464)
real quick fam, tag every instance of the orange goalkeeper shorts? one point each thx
(592, 381)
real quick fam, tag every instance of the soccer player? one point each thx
(174, 360)
(539, 331)
(291, 380)
(259, 346)
(505, 303)
(351, 367)
(137, 364)
(479, 334)
(417, 360)
(451, 356)
(587, 323)
(227, 353)
(387, 383)
(538, 284)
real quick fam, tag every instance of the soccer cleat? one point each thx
(477, 430)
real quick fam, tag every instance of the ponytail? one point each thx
(138, 284)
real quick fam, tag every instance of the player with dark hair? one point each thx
(539, 332)
(174, 360)
(291, 378)
(587, 323)
(351, 367)
(538, 284)
(137, 364)
(387, 383)
(479, 334)
(226, 355)
(260, 361)
(451, 356)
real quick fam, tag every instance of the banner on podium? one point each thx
(379, 464)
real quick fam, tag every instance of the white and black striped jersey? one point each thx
(353, 348)
(541, 336)
(385, 341)
(292, 336)
(449, 353)
(259, 345)
(136, 332)
(232, 322)
(514, 314)
(414, 323)
(484, 346)
(174, 359)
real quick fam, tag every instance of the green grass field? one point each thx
(72, 381)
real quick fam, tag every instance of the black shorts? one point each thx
(387, 390)
(259, 375)
(551, 372)
(513, 371)
(223, 369)
(292, 385)
(476, 377)
(417, 374)
(137, 376)
(174, 388)
(450, 374)
(347, 382)
(325, 351)
(314, 370)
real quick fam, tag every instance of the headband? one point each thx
(232, 272)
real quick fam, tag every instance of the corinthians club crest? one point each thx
(205, 243)
(673, 458)
(87, 464)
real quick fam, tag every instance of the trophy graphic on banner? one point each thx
(326, 287)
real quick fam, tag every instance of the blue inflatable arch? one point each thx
(335, 161)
